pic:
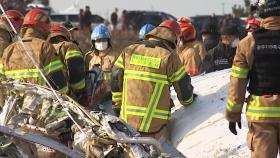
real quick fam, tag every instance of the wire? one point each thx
(27, 51)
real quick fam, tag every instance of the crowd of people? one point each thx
(137, 81)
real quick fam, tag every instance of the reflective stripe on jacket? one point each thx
(17, 65)
(265, 108)
(144, 76)
(74, 64)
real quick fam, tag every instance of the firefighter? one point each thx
(17, 65)
(257, 63)
(189, 49)
(196, 44)
(101, 54)
(141, 79)
(70, 55)
(145, 30)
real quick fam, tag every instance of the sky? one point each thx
(178, 8)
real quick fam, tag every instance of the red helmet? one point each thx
(173, 26)
(58, 30)
(188, 31)
(184, 20)
(16, 16)
(252, 25)
(255, 22)
(39, 18)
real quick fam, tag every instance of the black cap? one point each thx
(229, 30)
(210, 28)
(269, 8)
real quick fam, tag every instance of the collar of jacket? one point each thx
(102, 53)
(187, 45)
(271, 23)
(163, 34)
(30, 32)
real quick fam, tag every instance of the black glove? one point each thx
(194, 96)
(232, 126)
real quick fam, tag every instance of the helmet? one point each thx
(99, 32)
(268, 8)
(254, 21)
(58, 30)
(184, 20)
(173, 26)
(69, 26)
(188, 31)
(144, 30)
(39, 18)
(16, 16)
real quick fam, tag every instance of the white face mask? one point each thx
(101, 45)
(234, 44)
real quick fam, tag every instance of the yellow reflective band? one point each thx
(23, 73)
(124, 101)
(72, 54)
(141, 111)
(231, 107)
(178, 75)
(2, 69)
(53, 66)
(240, 69)
(79, 85)
(146, 122)
(119, 62)
(135, 110)
(262, 111)
(145, 61)
(146, 76)
(64, 90)
(238, 72)
(162, 114)
(116, 96)
(107, 76)
(188, 101)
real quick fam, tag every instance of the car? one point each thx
(199, 20)
(136, 19)
(74, 18)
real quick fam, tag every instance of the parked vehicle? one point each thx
(136, 19)
(74, 18)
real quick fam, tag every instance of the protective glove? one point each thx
(232, 127)
(194, 96)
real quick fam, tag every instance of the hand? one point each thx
(232, 127)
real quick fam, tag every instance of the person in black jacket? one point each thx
(221, 56)
(210, 35)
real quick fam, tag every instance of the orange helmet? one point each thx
(39, 18)
(58, 30)
(188, 31)
(16, 16)
(173, 26)
(184, 20)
